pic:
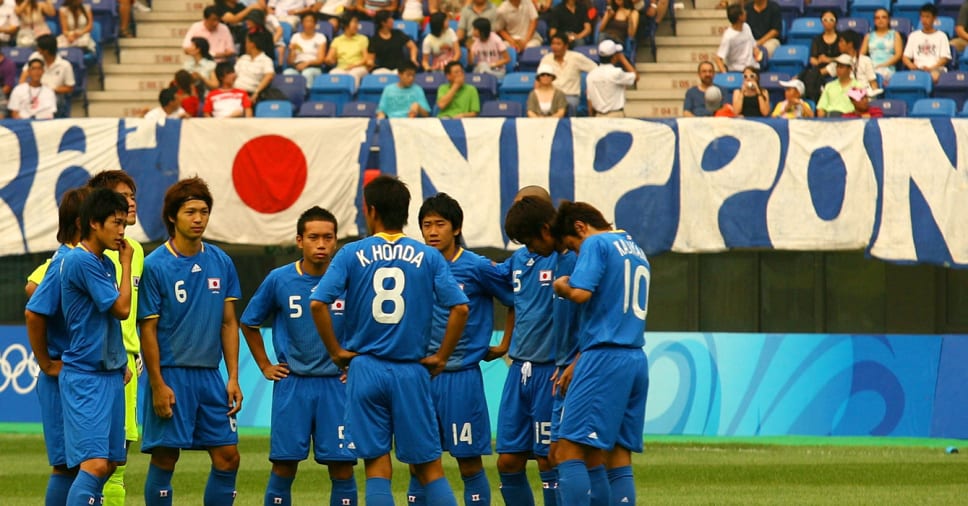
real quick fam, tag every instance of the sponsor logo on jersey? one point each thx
(339, 305)
(544, 275)
(196, 268)
(214, 284)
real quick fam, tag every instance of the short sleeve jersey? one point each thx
(531, 276)
(284, 295)
(566, 316)
(614, 268)
(391, 283)
(88, 290)
(188, 295)
(46, 301)
(480, 282)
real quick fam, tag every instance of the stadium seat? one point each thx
(18, 55)
(429, 82)
(859, 25)
(273, 109)
(590, 51)
(948, 8)
(409, 28)
(513, 57)
(818, 7)
(317, 110)
(909, 86)
(501, 109)
(901, 25)
(727, 82)
(486, 85)
(953, 85)
(865, 8)
(336, 88)
(770, 81)
(322, 27)
(367, 28)
(802, 32)
(942, 24)
(934, 108)
(891, 108)
(790, 10)
(542, 30)
(294, 86)
(359, 110)
(963, 113)
(908, 9)
(371, 87)
(75, 56)
(516, 86)
(106, 13)
(531, 57)
(287, 31)
(97, 57)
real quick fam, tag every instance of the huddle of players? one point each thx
(369, 304)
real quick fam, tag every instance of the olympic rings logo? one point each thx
(20, 374)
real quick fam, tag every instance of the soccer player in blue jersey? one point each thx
(604, 410)
(391, 283)
(524, 419)
(308, 398)
(94, 367)
(188, 325)
(47, 332)
(458, 392)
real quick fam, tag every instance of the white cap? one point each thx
(545, 69)
(844, 59)
(794, 83)
(608, 48)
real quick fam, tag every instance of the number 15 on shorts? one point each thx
(542, 433)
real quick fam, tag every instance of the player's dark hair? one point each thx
(483, 27)
(733, 13)
(110, 179)
(437, 22)
(390, 198)
(98, 206)
(68, 225)
(315, 213)
(187, 189)
(203, 47)
(48, 44)
(571, 212)
(167, 96)
(928, 7)
(446, 207)
(527, 217)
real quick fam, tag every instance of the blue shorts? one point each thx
(93, 405)
(556, 406)
(605, 404)
(304, 408)
(524, 419)
(465, 426)
(387, 400)
(199, 417)
(52, 418)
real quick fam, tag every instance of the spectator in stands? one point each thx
(574, 18)
(568, 66)
(307, 50)
(766, 23)
(8, 74)
(863, 68)
(488, 54)
(291, 11)
(606, 83)
(928, 49)
(861, 100)
(31, 19)
(201, 65)
(186, 93)
(168, 107)
(76, 23)
(737, 49)
(332, 11)
(368, 9)
(273, 45)
(233, 14)
(9, 22)
(227, 101)
(32, 99)
(403, 99)
(455, 98)
(254, 69)
(750, 99)
(834, 101)
(960, 42)
(884, 44)
(823, 49)
(58, 73)
(385, 51)
(412, 10)
(546, 101)
(517, 23)
(218, 35)
(441, 46)
(620, 22)
(793, 106)
(695, 101)
(654, 9)
(348, 51)
(124, 16)
(471, 12)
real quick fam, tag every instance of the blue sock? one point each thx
(439, 493)
(549, 487)
(416, 494)
(344, 493)
(622, 484)
(220, 489)
(158, 487)
(574, 483)
(57, 487)
(279, 490)
(378, 492)
(477, 490)
(601, 494)
(516, 490)
(85, 490)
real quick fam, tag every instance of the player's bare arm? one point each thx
(496, 352)
(163, 398)
(121, 308)
(324, 325)
(455, 327)
(230, 352)
(564, 289)
(253, 338)
(37, 335)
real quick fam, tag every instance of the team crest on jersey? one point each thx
(196, 268)
(214, 284)
(544, 276)
(339, 305)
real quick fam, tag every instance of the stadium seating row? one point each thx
(364, 109)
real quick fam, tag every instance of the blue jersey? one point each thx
(615, 270)
(391, 283)
(88, 290)
(531, 276)
(46, 301)
(480, 283)
(284, 294)
(188, 295)
(566, 315)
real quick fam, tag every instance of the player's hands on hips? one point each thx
(276, 372)
(127, 375)
(163, 399)
(561, 286)
(53, 369)
(435, 363)
(235, 396)
(564, 380)
(342, 358)
(495, 352)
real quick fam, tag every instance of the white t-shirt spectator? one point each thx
(925, 49)
(335, 7)
(736, 49)
(8, 18)
(440, 48)
(488, 51)
(158, 114)
(569, 71)
(284, 7)
(306, 49)
(33, 103)
(412, 10)
(250, 71)
(516, 20)
(60, 73)
(606, 87)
